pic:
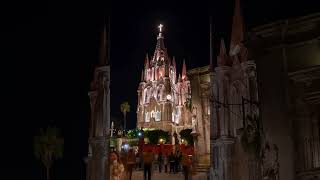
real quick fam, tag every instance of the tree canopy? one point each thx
(48, 146)
(125, 107)
(155, 135)
(186, 135)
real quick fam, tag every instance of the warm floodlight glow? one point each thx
(161, 140)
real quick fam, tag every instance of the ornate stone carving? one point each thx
(270, 161)
(194, 119)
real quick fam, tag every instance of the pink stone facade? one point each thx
(163, 94)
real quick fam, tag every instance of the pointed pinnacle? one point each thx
(237, 31)
(146, 62)
(142, 79)
(222, 47)
(184, 69)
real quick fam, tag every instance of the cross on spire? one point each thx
(160, 27)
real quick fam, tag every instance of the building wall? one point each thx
(281, 50)
(277, 125)
(200, 85)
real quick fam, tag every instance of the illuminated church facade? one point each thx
(164, 95)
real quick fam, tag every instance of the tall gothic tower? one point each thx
(164, 96)
(234, 79)
(99, 94)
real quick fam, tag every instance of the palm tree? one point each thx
(125, 107)
(48, 146)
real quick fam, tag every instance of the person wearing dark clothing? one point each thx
(176, 162)
(165, 162)
(160, 161)
(147, 171)
(131, 160)
(171, 162)
(186, 166)
(147, 159)
(179, 161)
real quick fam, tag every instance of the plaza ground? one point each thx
(138, 175)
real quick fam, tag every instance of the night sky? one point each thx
(50, 49)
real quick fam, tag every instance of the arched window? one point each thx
(159, 94)
(176, 98)
(152, 115)
(157, 116)
(163, 93)
(145, 95)
(173, 117)
(149, 94)
(147, 117)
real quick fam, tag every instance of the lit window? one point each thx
(177, 116)
(173, 117)
(157, 116)
(147, 117)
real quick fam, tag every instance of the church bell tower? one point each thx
(163, 96)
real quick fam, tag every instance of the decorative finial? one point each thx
(160, 28)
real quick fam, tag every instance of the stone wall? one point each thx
(200, 85)
(279, 49)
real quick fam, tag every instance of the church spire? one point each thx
(211, 50)
(174, 62)
(237, 32)
(223, 50)
(184, 70)
(223, 57)
(160, 52)
(103, 47)
(104, 58)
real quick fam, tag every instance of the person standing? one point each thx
(176, 162)
(131, 160)
(179, 161)
(116, 167)
(186, 166)
(123, 160)
(171, 161)
(138, 161)
(165, 162)
(147, 159)
(160, 161)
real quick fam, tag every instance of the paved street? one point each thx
(138, 175)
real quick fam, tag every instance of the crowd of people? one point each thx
(122, 165)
